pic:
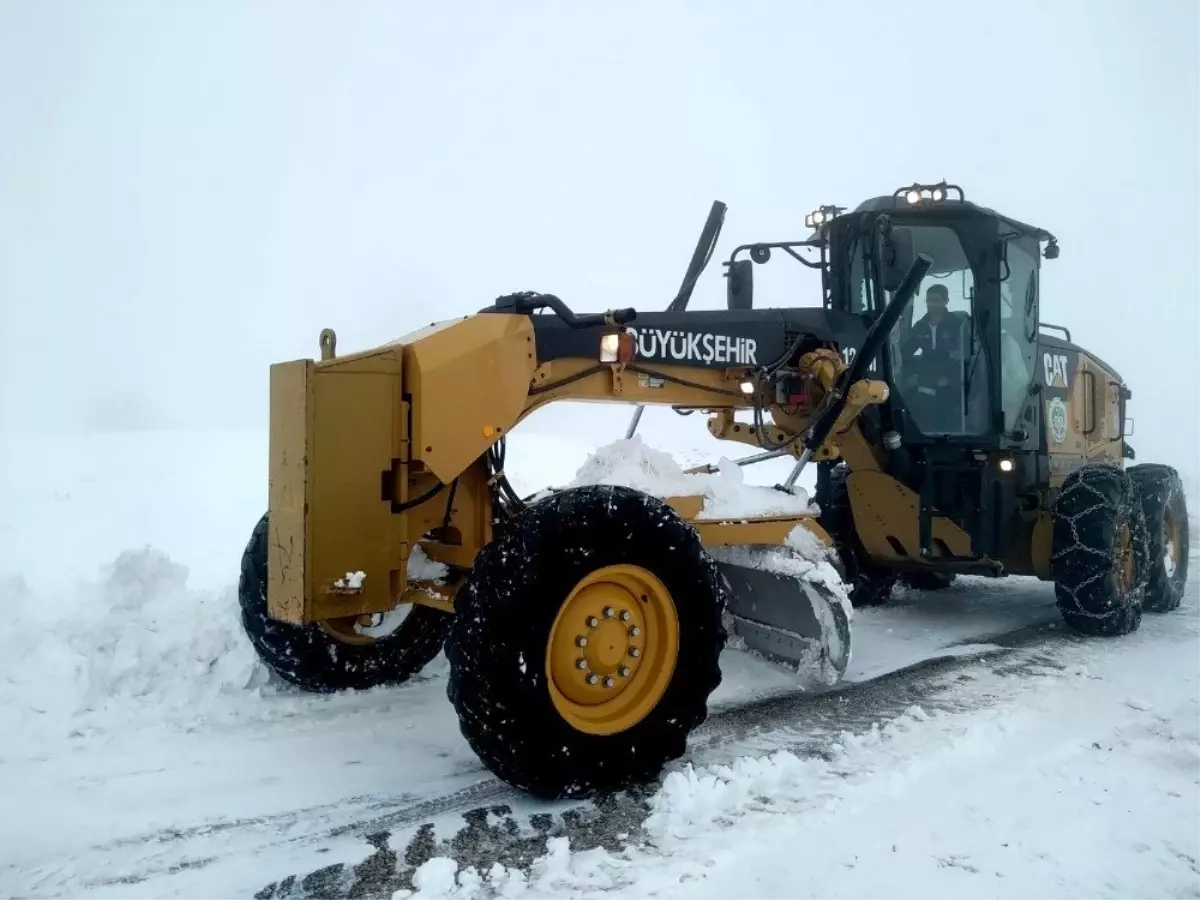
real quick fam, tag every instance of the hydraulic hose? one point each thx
(530, 302)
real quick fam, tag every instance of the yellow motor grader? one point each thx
(584, 626)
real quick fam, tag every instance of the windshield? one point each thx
(937, 362)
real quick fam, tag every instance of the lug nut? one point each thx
(624, 615)
(608, 681)
(581, 663)
(609, 612)
(623, 671)
(581, 641)
(634, 631)
(593, 678)
(592, 621)
(635, 652)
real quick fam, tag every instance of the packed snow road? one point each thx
(987, 752)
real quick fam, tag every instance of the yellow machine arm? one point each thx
(374, 452)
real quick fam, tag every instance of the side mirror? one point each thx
(899, 253)
(739, 290)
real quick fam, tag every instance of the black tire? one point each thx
(867, 584)
(927, 581)
(313, 659)
(497, 648)
(1160, 492)
(1094, 505)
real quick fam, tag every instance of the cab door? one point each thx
(1019, 343)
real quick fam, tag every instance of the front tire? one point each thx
(1160, 493)
(330, 657)
(586, 643)
(1098, 558)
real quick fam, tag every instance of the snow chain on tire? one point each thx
(506, 613)
(1095, 504)
(1160, 492)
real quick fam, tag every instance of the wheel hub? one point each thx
(612, 649)
(1124, 559)
(1171, 542)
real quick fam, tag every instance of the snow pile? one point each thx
(139, 640)
(726, 494)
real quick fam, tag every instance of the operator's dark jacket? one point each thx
(938, 351)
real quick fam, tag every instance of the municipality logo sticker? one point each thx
(1058, 420)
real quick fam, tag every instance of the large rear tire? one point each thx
(867, 584)
(1099, 553)
(1160, 492)
(332, 656)
(586, 643)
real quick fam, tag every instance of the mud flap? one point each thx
(796, 623)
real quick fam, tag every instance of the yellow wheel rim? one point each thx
(349, 629)
(612, 650)
(343, 630)
(1172, 539)
(1125, 566)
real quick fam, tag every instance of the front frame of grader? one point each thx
(378, 452)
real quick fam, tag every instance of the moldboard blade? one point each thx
(794, 622)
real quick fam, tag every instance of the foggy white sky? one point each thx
(191, 191)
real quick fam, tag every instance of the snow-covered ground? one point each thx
(143, 751)
(1082, 781)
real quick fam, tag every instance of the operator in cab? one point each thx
(934, 353)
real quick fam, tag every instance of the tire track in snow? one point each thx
(729, 732)
(512, 830)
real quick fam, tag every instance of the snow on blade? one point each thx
(801, 556)
(631, 463)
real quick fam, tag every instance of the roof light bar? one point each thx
(916, 194)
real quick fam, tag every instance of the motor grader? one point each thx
(583, 627)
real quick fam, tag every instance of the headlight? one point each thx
(617, 348)
(823, 215)
(610, 348)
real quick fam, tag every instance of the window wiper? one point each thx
(975, 356)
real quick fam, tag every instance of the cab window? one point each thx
(937, 359)
(1018, 327)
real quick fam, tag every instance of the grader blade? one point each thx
(797, 623)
